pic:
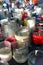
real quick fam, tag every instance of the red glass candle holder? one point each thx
(37, 37)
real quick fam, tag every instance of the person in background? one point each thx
(7, 6)
(26, 1)
(35, 2)
(18, 2)
(1, 31)
(13, 5)
(30, 2)
(4, 5)
(10, 12)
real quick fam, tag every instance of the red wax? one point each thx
(11, 40)
(37, 39)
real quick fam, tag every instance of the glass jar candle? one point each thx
(20, 52)
(5, 52)
(3, 63)
(35, 57)
(37, 37)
